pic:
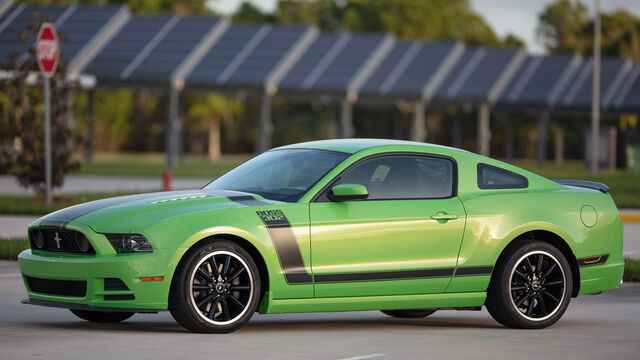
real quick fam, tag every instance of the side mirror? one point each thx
(344, 192)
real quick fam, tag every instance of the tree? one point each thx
(22, 135)
(207, 113)
(566, 26)
(406, 19)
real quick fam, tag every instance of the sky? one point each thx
(519, 17)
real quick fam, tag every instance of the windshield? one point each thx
(283, 175)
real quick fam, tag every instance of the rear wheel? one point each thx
(531, 287)
(102, 316)
(215, 289)
(412, 313)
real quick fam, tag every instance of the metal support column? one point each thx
(419, 131)
(346, 119)
(88, 148)
(484, 131)
(595, 95)
(456, 130)
(265, 124)
(541, 151)
(559, 144)
(172, 128)
(509, 143)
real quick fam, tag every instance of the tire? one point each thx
(526, 295)
(216, 288)
(409, 314)
(102, 316)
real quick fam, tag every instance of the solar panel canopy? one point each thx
(535, 81)
(331, 62)
(113, 59)
(475, 74)
(407, 68)
(579, 91)
(246, 55)
(10, 42)
(173, 48)
(628, 96)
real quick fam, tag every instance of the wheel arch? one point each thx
(551, 238)
(242, 241)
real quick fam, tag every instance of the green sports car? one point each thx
(336, 225)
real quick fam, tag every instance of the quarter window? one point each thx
(492, 177)
(403, 177)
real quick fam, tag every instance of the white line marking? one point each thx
(364, 357)
(9, 275)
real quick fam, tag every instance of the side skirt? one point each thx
(391, 302)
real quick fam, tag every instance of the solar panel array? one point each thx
(208, 53)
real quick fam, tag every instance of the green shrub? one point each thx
(631, 270)
(10, 248)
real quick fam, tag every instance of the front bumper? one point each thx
(94, 269)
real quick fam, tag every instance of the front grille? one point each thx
(64, 241)
(57, 287)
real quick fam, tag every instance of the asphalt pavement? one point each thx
(594, 327)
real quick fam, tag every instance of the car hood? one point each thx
(126, 213)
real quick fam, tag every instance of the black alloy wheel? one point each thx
(537, 285)
(531, 287)
(217, 290)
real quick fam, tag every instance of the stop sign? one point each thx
(47, 49)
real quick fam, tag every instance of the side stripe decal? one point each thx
(286, 246)
(386, 275)
(476, 270)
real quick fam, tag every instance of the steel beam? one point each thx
(265, 124)
(484, 130)
(541, 150)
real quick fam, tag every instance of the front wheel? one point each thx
(215, 289)
(102, 316)
(410, 314)
(531, 287)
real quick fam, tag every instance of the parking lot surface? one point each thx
(594, 327)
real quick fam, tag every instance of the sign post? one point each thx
(47, 53)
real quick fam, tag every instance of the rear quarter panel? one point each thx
(496, 217)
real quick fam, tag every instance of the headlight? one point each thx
(128, 243)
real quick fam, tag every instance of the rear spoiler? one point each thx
(585, 184)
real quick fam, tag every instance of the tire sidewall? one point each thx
(194, 321)
(505, 285)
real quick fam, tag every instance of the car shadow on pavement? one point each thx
(284, 325)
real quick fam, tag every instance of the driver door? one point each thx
(389, 244)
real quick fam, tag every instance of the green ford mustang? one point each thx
(337, 225)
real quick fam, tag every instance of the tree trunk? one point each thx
(214, 139)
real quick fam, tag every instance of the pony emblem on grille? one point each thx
(57, 239)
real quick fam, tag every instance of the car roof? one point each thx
(352, 146)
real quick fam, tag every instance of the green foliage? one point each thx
(142, 6)
(10, 248)
(30, 205)
(407, 19)
(566, 26)
(22, 136)
(631, 270)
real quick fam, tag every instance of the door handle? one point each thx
(444, 217)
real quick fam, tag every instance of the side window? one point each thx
(491, 177)
(403, 177)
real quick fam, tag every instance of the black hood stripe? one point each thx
(63, 217)
(74, 212)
